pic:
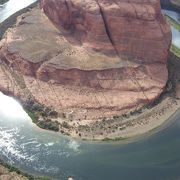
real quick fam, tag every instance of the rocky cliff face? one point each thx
(134, 30)
(98, 58)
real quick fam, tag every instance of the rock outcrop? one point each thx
(90, 58)
(134, 30)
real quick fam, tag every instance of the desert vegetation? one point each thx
(12, 168)
(42, 115)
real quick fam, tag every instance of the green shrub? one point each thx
(175, 49)
(44, 114)
(107, 139)
(47, 109)
(65, 125)
(115, 139)
(38, 107)
(115, 116)
(136, 111)
(33, 116)
(53, 113)
(125, 115)
(18, 171)
(49, 125)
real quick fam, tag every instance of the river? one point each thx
(149, 157)
(46, 153)
(13, 6)
(175, 32)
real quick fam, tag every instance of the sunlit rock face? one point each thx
(134, 30)
(92, 58)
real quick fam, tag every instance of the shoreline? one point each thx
(136, 123)
(10, 171)
(11, 20)
(154, 130)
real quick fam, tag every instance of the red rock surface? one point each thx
(100, 59)
(134, 30)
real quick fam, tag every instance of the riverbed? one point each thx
(152, 156)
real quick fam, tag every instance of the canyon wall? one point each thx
(89, 58)
(134, 30)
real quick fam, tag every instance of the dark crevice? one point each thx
(106, 28)
(135, 81)
(66, 5)
(69, 24)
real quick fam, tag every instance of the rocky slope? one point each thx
(90, 59)
(6, 175)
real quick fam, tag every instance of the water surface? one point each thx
(44, 153)
(13, 6)
(172, 14)
(175, 32)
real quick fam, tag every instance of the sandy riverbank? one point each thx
(134, 123)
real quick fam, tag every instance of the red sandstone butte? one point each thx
(86, 57)
(134, 30)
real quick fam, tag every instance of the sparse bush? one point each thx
(115, 116)
(104, 119)
(65, 125)
(18, 171)
(44, 114)
(33, 116)
(125, 115)
(47, 109)
(38, 107)
(136, 111)
(53, 113)
(48, 124)
(115, 139)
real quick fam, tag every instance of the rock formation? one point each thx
(90, 58)
(134, 30)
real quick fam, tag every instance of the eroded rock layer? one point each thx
(90, 58)
(134, 30)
